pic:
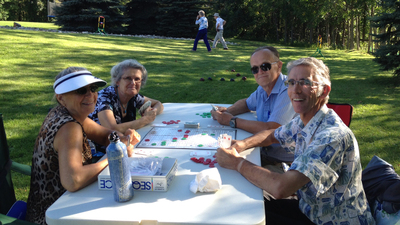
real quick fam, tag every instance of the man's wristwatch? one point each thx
(232, 123)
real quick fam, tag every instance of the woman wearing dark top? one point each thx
(116, 105)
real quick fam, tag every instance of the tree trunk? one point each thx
(358, 32)
(370, 44)
(351, 31)
(276, 27)
(344, 34)
(328, 39)
(291, 31)
(286, 31)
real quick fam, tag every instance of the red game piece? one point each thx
(201, 159)
(164, 122)
(211, 165)
(147, 140)
(187, 131)
(179, 130)
(185, 136)
(194, 159)
(178, 121)
(208, 161)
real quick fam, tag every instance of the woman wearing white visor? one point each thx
(62, 157)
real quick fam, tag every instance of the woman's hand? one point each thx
(134, 138)
(150, 114)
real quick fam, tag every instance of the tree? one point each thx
(142, 14)
(3, 11)
(388, 54)
(176, 18)
(82, 15)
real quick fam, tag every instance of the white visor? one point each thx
(76, 80)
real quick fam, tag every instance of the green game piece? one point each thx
(174, 140)
(200, 145)
(212, 134)
(163, 143)
(153, 144)
(197, 114)
(183, 138)
(203, 134)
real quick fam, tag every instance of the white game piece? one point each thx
(200, 153)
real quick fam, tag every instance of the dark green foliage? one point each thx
(23, 10)
(83, 15)
(177, 18)
(142, 16)
(388, 54)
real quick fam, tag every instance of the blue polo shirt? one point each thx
(277, 108)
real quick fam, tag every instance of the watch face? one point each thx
(232, 123)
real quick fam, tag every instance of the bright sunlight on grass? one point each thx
(30, 61)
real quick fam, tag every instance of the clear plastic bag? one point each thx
(147, 166)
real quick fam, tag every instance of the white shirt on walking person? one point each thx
(219, 23)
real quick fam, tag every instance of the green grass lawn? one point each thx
(30, 61)
(30, 24)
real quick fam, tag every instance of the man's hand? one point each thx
(223, 118)
(228, 158)
(239, 145)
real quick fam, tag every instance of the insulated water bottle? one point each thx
(119, 169)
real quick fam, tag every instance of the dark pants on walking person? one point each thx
(201, 34)
(284, 211)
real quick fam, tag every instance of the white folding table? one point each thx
(238, 202)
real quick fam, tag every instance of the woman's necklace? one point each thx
(121, 103)
(124, 107)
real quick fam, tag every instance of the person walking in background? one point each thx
(219, 25)
(202, 33)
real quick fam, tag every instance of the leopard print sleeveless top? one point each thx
(46, 185)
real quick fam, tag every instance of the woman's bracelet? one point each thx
(239, 166)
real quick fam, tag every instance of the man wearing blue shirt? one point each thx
(270, 101)
(326, 171)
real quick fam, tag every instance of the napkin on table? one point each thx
(208, 180)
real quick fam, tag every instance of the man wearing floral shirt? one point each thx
(326, 171)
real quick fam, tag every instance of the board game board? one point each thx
(192, 138)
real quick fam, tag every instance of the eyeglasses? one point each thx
(129, 79)
(264, 67)
(301, 82)
(84, 90)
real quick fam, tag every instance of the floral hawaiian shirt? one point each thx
(326, 151)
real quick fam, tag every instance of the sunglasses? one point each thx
(302, 82)
(84, 90)
(264, 67)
